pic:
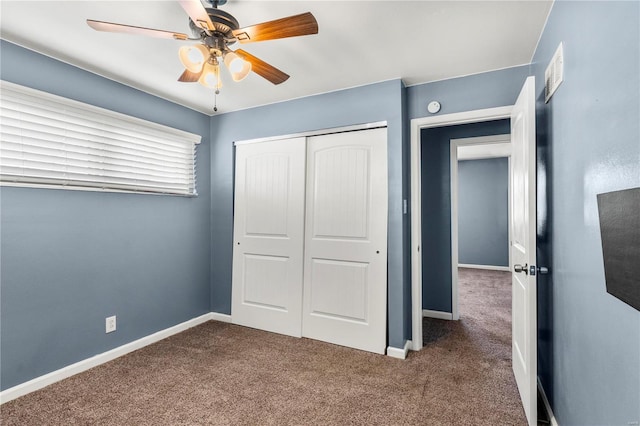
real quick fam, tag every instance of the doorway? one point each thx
(417, 125)
(522, 117)
(480, 206)
(439, 165)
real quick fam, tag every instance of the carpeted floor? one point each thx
(219, 373)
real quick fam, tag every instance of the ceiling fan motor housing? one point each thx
(224, 24)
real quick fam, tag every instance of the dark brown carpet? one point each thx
(219, 373)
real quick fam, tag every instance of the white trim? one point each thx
(220, 317)
(418, 124)
(552, 418)
(80, 366)
(486, 142)
(399, 353)
(453, 182)
(497, 146)
(319, 132)
(428, 313)
(486, 267)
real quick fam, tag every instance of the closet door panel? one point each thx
(348, 279)
(345, 262)
(268, 236)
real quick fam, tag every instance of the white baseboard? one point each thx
(552, 418)
(220, 317)
(487, 267)
(399, 353)
(73, 369)
(437, 314)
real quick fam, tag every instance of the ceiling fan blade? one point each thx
(197, 13)
(263, 69)
(292, 26)
(190, 77)
(130, 29)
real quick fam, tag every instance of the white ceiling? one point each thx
(359, 42)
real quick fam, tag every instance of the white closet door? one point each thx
(268, 236)
(345, 270)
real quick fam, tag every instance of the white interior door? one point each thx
(523, 248)
(345, 262)
(268, 236)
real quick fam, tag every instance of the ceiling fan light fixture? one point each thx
(210, 77)
(216, 30)
(193, 57)
(238, 67)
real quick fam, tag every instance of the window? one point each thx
(50, 141)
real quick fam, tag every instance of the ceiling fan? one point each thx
(216, 30)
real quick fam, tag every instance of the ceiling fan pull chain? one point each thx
(215, 100)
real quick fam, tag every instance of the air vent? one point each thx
(554, 73)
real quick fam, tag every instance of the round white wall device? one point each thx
(433, 107)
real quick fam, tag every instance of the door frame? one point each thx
(417, 124)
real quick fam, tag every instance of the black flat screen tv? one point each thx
(619, 213)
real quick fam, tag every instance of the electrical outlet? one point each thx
(110, 324)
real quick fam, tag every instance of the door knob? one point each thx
(520, 268)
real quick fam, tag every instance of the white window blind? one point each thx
(50, 141)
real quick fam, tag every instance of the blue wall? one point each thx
(483, 212)
(377, 102)
(588, 143)
(478, 91)
(69, 259)
(436, 206)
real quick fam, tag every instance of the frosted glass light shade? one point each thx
(238, 67)
(210, 76)
(193, 57)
